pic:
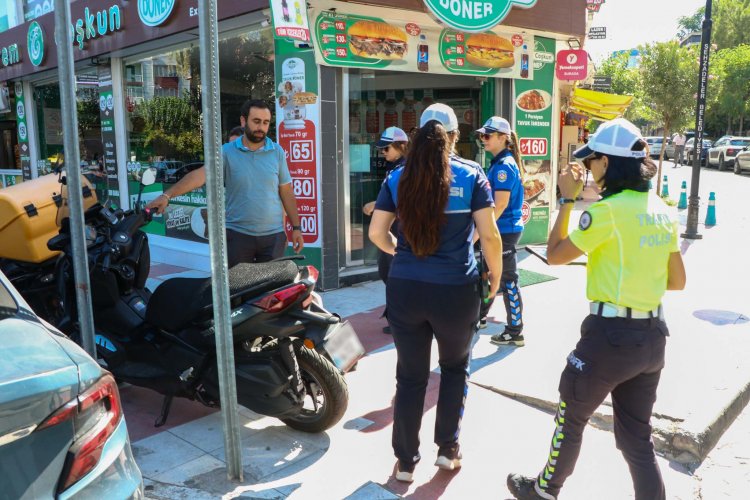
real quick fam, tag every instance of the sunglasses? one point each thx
(385, 149)
(486, 137)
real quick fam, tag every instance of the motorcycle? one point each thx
(290, 352)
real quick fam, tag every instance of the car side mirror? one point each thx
(149, 176)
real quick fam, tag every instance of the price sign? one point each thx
(341, 39)
(533, 147)
(304, 188)
(341, 52)
(301, 151)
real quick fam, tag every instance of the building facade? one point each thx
(138, 89)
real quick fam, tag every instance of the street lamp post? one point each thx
(691, 231)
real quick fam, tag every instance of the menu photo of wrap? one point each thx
(376, 40)
(490, 51)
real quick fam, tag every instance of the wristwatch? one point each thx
(566, 200)
(296, 228)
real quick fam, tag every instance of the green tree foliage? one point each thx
(668, 73)
(689, 24)
(731, 23)
(171, 126)
(731, 66)
(626, 81)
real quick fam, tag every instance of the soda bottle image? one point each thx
(285, 11)
(423, 55)
(525, 62)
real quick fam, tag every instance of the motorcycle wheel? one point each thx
(327, 393)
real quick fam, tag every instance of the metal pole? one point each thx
(691, 231)
(209, 50)
(67, 77)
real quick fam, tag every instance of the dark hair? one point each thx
(423, 189)
(253, 103)
(401, 146)
(238, 130)
(628, 173)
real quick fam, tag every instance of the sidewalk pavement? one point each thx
(704, 387)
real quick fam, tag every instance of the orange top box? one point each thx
(30, 214)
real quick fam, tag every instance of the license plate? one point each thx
(343, 345)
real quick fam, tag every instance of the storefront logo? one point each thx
(154, 12)
(22, 131)
(541, 56)
(474, 15)
(35, 43)
(10, 55)
(95, 24)
(20, 110)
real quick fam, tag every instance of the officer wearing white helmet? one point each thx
(632, 241)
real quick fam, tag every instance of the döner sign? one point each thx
(155, 12)
(473, 15)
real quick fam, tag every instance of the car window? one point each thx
(8, 304)
(720, 142)
(658, 140)
(650, 140)
(739, 142)
(690, 142)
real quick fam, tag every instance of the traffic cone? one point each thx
(683, 196)
(664, 188)
(711, 212)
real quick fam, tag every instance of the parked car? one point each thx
(742, 161)
(654, 145)
(690, 150)
(62, 431)
(725, 149)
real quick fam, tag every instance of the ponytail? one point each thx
(514, 147)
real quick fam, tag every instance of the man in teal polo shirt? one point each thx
(258, 190)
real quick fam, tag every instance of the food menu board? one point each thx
(357, 36)
(487, 54)
(533, 124)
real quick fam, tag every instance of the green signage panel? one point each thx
(534, 107)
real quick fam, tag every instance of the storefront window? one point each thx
(35, 8)
(164, 119)
(381, 99)
(8, 15)
(50, 129)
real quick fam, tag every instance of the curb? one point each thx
(685, 442)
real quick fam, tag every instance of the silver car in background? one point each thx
(62, 431)
(654, 145)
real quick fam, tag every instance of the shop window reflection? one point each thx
(164, 116)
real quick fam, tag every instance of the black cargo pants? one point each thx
(623, 357)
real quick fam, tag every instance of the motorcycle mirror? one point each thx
(149, 176)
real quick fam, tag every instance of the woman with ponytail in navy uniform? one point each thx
(506, 179)
(433, 287)
(632, 240)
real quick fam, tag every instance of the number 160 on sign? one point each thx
(534, 147)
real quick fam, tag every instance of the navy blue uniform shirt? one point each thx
(453, 263)
(504, 175)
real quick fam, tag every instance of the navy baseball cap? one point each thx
(391, 135)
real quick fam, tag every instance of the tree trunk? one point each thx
(661, 158)
(742, 125)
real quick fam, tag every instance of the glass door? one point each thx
(374, 101)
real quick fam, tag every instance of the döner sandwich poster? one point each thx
(351, 35)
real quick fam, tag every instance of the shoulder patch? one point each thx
(502, 176)
(585, 222)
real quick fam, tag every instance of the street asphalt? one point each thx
(703, 444)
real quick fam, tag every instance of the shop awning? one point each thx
(600, 105)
